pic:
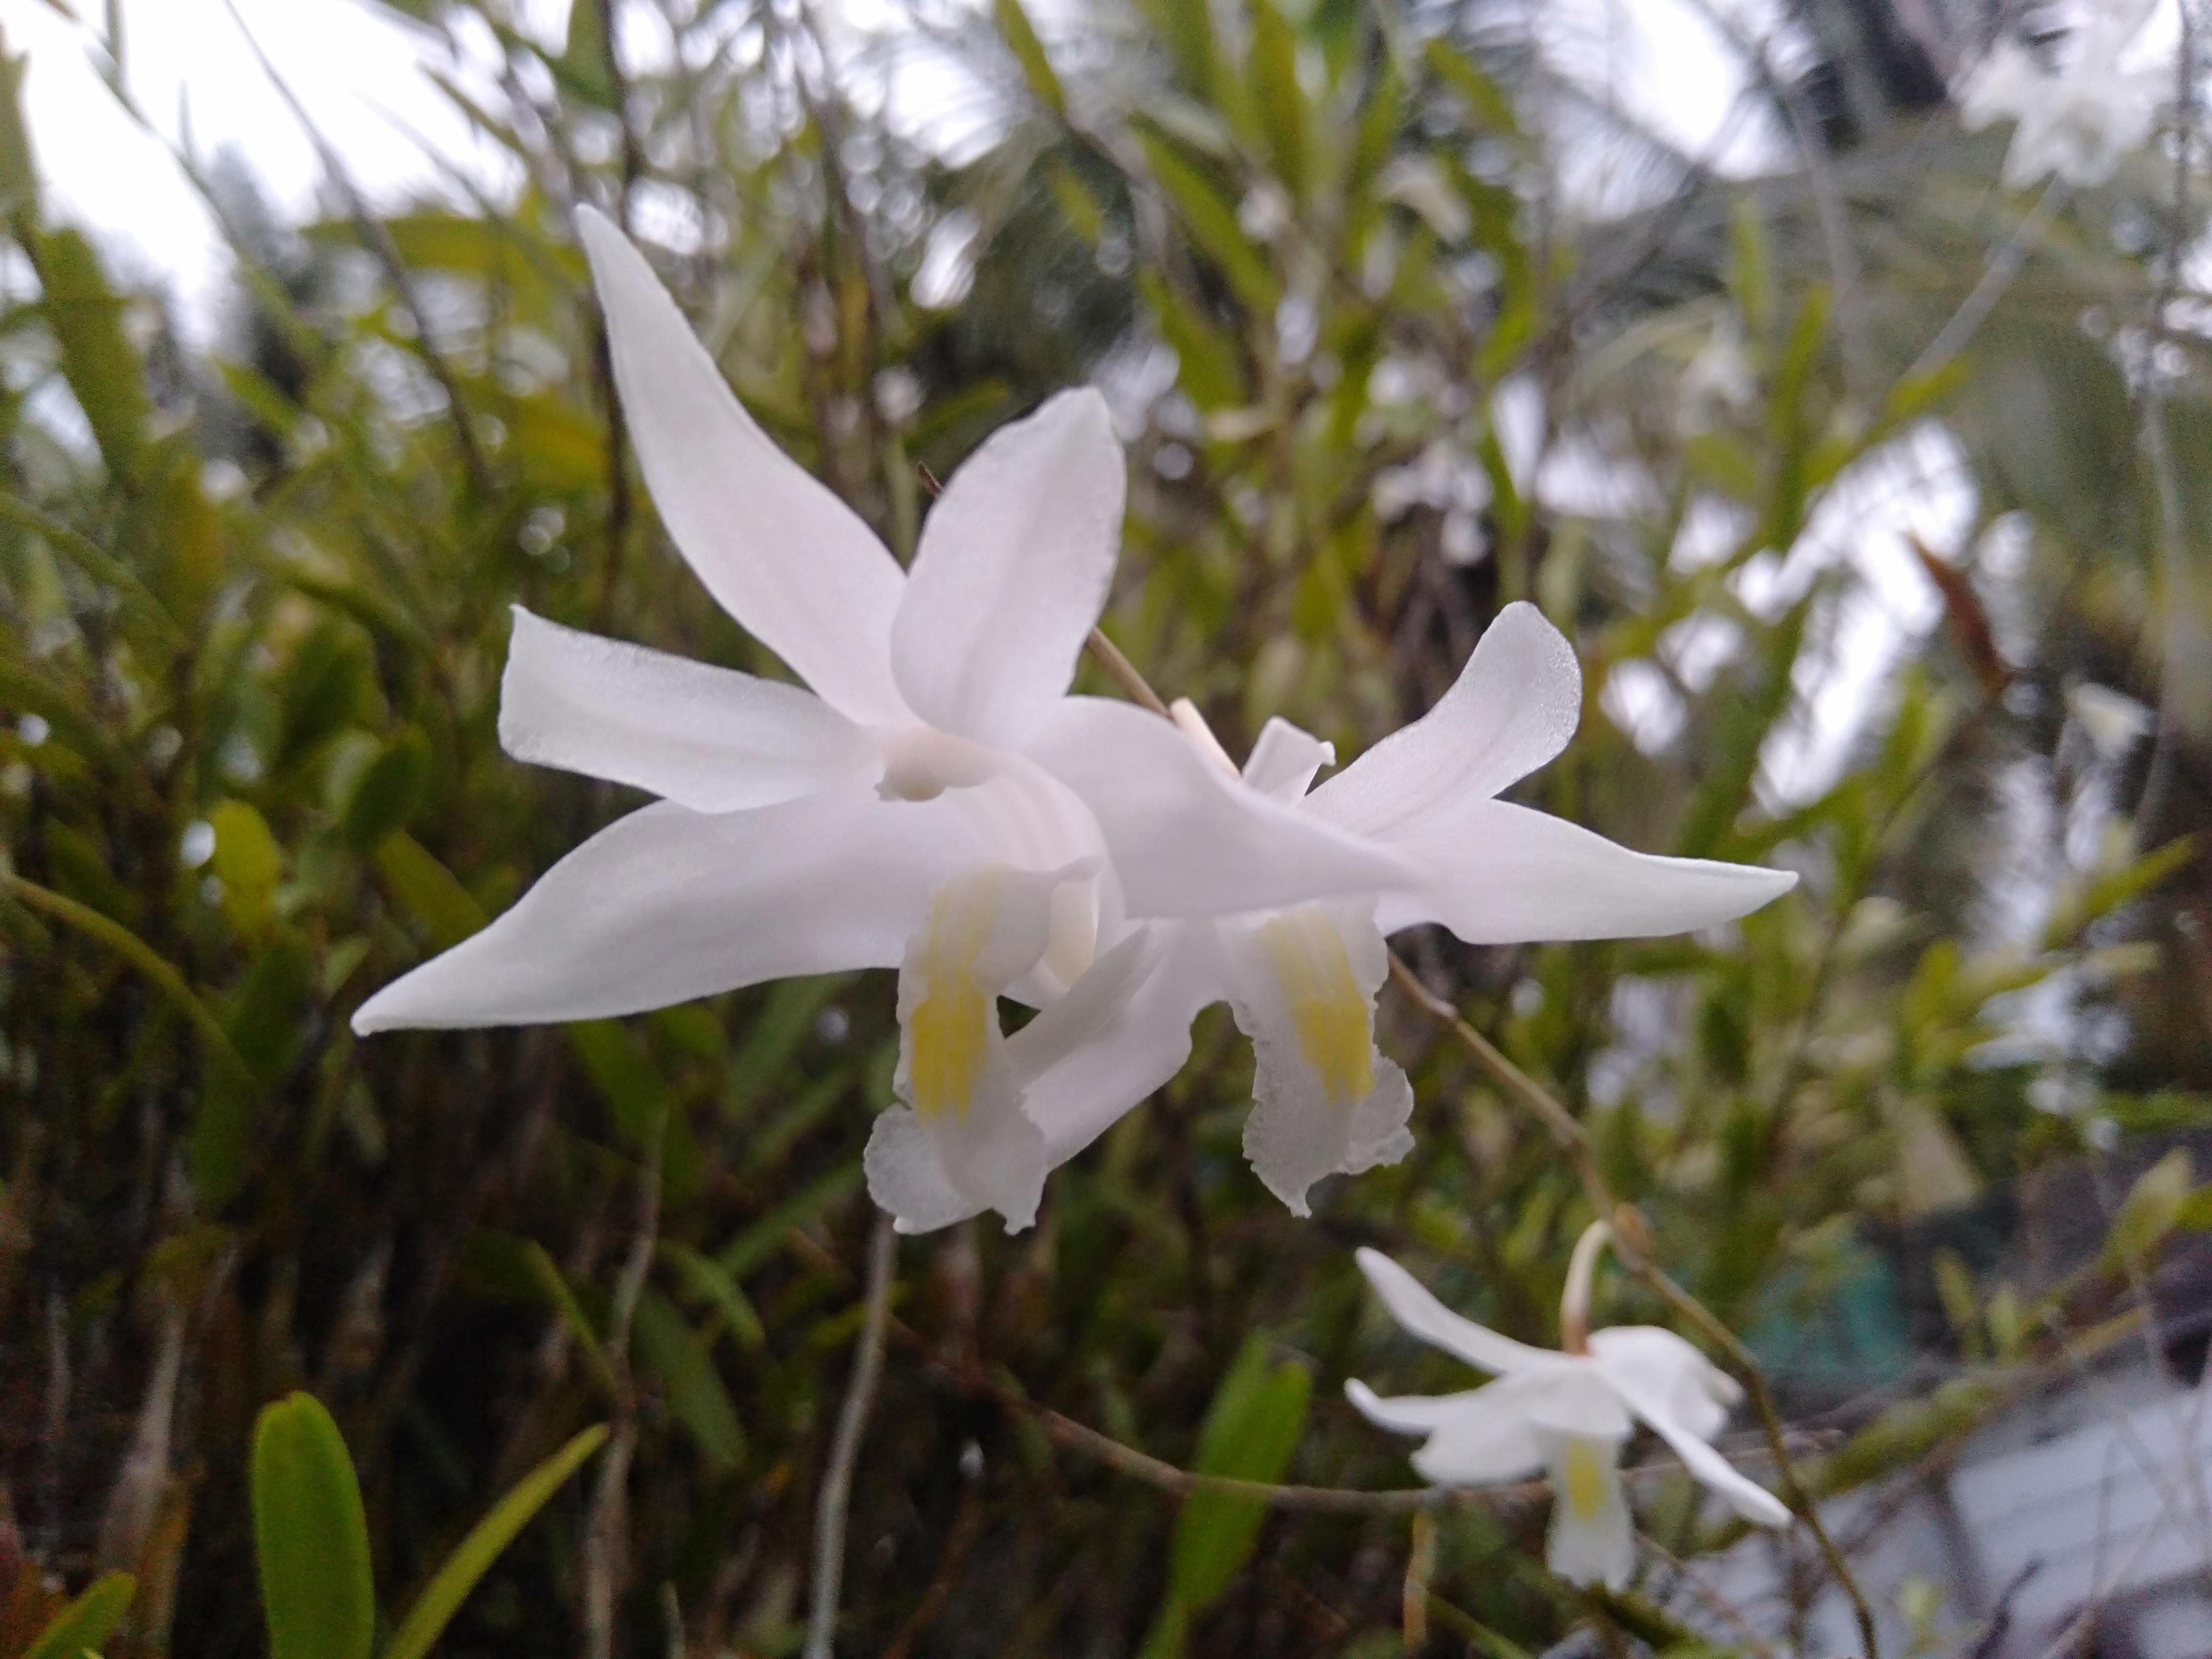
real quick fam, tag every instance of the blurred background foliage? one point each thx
(1387, 355)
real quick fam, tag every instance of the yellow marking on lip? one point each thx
(1583, 1476)
(1326, 1004)
(949, 1028)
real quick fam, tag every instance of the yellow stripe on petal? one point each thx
(1330, 1011)
(949, 1028)
(1582, 1473)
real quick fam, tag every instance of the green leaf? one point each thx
(1207, 365)
(2149, 1212)
(80, 1627)
(1251, 1431)
(1281, 100)
(388, 792)
(309, 1535)
(249, 864)
(19, 171)
(1021, 37)
(1211, 219)
(97, 358)
(553, 1284)
(703, 1278)
(265, 1019)
(442, 1596)
(427, 890)
(635, 1094)
(1485, 99)
(681, 1359)
(1187, 30)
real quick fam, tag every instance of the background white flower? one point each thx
(1565, 1414)
(2080, 122)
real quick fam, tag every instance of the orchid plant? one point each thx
(1567, 1414)
(940, 803)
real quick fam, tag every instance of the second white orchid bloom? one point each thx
(1301, 978)
(2080, 122)
(901, 813)
(1564, 1414)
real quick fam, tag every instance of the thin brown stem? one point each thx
(830, 1512)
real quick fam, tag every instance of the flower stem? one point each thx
(830, 1512)
(1575, 1300)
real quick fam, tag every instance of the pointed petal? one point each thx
(1593, 1535)
(1500, 874)
(1283, 761)
(668, 904)
(1644, 1361)
(1120, 1034)
(1012, 573)
(1421, 1315)
(1490, 1438)
(1655, 1397)
(1302, 984)
(775, 548)
(1187, 839)
(1512, 708)
(1412, 1413)
(712, 739)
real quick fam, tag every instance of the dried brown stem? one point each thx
(845, 1451)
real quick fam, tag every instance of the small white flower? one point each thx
(1565, 1414)
(2079, 123)
(1301, 978)
(1718, 382)
(900, 813)
(2113, 721)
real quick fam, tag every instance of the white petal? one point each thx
(1500, 874)
(1644, 1361)
(907, 1177)
(1120, 1035)
(714, 739)
(1593, 1536)
(1421, 1315)
(1325, 1102)
(775, 548)
(1412, 1413)
(1283, 761)
(985, 927)
(1012, 573)
(1512, 708)
(668, 904)
(1187, 839)
(1648, 1400)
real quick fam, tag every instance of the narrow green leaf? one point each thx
(442, 1596)
(682, 1358)
(249, 864)
(309, 1535)
(80, 1627)
(703, 1278)
(97, 358)
(389, 790)
(553, 1284)
(427, 890)
(1275, 89)
(1021, 37)
(1211, 220)
(1485, 99)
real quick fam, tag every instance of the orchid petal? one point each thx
(668, 904)
(1650, 1402)
(1187, 840)
(1303, 983)
(777, 550)
(1592, 1539)
(1120, 1034)
(712, 739)
(1504, 874)
(905, 1175)
(1012, 572)
(1284, 760)
(1415, 1413)
(1490, 1438)
(1420, 1314)
(1657, 1364)
(1512, 708)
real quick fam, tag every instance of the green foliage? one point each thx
(83, 1626)
(310, 1535)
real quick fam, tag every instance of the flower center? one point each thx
(1582, 1477)
(921, 764)
(1324, 1002)
(950, 1026)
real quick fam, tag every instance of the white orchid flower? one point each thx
(1301, 978)
(898, 814)
(2079, 123)
(1564, 1413)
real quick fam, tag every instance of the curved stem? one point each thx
(845, 1451)
(1575, 1300)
